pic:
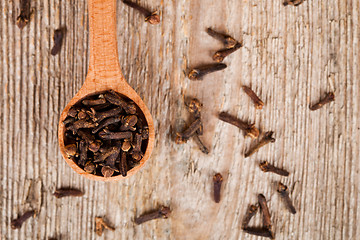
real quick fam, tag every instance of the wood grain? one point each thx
(291, 57)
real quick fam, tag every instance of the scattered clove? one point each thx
(265, 140)
(163, 212)
(251, 211)
(257, 101)
(217, 179)
(196, 128)
(221, 54)
(67, 192)
(293, 2)
(330, 97)
(59, 35)
(100, 224)
(267, 167)
(201, 145)
(189, 132)
(284, 193)
(249, 129)
(194, 106)
(23, 19)
(228, 41)
(150, 17)
(199, 72)
(17, 223)
(265, 212)
(261, 232)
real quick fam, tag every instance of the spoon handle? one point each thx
(104, 63)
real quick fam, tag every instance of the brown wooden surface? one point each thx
(291, 57)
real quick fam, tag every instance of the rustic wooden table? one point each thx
(291, 57)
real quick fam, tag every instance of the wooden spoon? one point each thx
(105, 74)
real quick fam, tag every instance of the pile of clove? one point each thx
(106, 134)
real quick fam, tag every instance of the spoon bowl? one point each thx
(104, 74)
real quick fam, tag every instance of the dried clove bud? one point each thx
(217, 179)
(106, 123)
(284, 193)
(265, 211)
(128, 122)
(23, 19)
(189, 132)
(106, 134)
(293, 2)
(163, 212)
(123, 164)
(330, 97)
(194, 106)
(82, 115)
(106, 114)
(68, 120)
(228, 41)
(199, 72)
(94, 102)
(257, 101)
(249, 129)
(95, 146)
(86, 135)
(150, 17)
(108, 152)
(201, 145)
(107, 171)
(83, 147)
(71, 150)
(89, 167)
(145, 133)
(115, 99)
(221, 54)
(68, 192)
(267, 167)
(261, 232)
(58, 40)
(265, 140)
(80, 124)
(73, 111)
(251, 211)
(100, 224)
(126, 145)
(110, 161)
(17, 223)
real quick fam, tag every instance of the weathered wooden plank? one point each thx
(291, 57)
